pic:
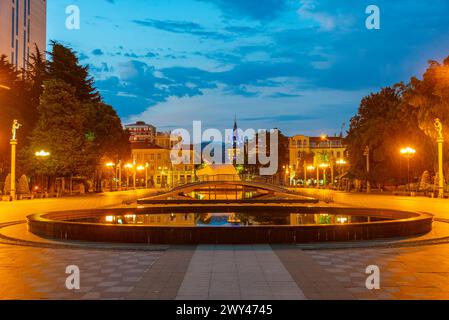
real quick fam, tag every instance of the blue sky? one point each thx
(301, 66)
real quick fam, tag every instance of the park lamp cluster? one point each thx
(408, 151)
(42, 154)
(128, 166)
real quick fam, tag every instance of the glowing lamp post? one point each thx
(146, 174)
(308, 168)
(111, 165)
(408, 153)
(140, 169)
(118, 173)
(42, 155)
(324, 166)
(340, 163)
(366, 154)
(128, 166)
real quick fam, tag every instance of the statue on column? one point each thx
(439, 128)
(15, 126)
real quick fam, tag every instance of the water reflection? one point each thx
(219, 219)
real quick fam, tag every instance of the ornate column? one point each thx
(440, 140)
(13, 142)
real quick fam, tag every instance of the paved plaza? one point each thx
(254, 272)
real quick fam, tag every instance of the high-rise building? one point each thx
(23, 25)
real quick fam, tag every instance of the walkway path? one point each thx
(435, 206)
(19, 210)
(238, 272)
(223, 272)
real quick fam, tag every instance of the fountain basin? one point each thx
(98, 226)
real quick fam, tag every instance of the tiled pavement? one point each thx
(214, 272)
(164, 278)
(238, 272)
(257, 272)
(36, 273)
(406, 273)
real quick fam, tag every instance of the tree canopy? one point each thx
(396, 117)
(63, 113)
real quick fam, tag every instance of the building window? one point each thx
(24, 49)
(12, 29)
(17, 19)
(25, 12)
(17, 52)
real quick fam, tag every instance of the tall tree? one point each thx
(429, 97)
(386, 125)
(64, 65)
(60, 131)
(35, 75)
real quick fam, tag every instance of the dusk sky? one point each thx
(301, 66)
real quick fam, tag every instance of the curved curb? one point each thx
(71, 246)
(378, 243)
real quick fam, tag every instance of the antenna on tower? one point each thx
(343, 126)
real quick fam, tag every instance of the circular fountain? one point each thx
(229, 212)
(223, 224)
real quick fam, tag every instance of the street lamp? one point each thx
(146, 174)
(127, 167)
(308, 168)
(340, 163)
(324, 166)
(366, 154)
(42, 155)
(118, 173)
(408, 152)
(331, 155)
(111, 165)
(139, 169)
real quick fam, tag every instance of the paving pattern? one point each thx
(238, 272)
(35, 273)
(406, 273)
(222, 272)
(257, 272)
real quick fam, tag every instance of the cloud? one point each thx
(261, 10)
(307, 10)
(216, 109)
(265, 51)
(97, 52)
(181, 27)
(284, 95)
